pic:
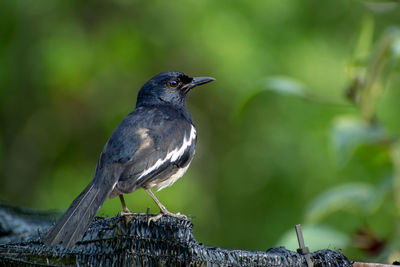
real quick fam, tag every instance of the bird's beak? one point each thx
(197, 81)
(202, 80)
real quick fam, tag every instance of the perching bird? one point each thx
(151, 148)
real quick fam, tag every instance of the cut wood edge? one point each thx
(367, 264)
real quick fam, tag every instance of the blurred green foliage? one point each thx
(278, 141)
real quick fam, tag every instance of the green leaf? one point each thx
(395, 155)
(394, 60)
(315, 237)
(381, 6)
(276, 84)
(365, 39)
(352, 197)
(349, 132)
(383, 61)
(376, 200)
(286, 86)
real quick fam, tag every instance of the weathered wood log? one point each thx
(130, 241)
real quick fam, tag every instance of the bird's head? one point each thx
(169, 87)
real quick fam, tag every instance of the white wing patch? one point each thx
(173, 155)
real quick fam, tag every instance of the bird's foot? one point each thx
(166, 212)
(126, 215)
(124, 212)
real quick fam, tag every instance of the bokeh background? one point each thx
(300, 126)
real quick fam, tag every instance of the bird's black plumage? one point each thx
(151, 148)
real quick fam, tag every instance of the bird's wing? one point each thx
(146, 143)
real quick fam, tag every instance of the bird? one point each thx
(151, 148)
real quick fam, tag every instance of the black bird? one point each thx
(151, 148)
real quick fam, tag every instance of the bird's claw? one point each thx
(154, 218)
(179, 215)
(165, 212)
(126, 215)
(124, 212)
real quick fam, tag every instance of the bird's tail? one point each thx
(72, 225)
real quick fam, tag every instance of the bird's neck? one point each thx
(171, 108)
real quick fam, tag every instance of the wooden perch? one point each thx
(130, 241)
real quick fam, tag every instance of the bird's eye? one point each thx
(173, 84)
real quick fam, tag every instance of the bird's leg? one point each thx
(125, 210)
(163, 210)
